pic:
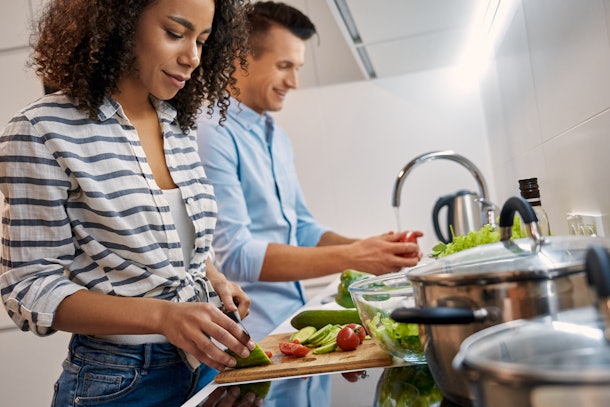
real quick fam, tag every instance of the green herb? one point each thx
(411, 386)
(395, 335)
(485, 235)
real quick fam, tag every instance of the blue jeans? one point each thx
(99, 373)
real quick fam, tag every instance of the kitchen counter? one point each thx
(347, 388)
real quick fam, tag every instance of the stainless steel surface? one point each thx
(486, 207)
(526, 278)
(438, 155)
(562, 359)
(463, 215)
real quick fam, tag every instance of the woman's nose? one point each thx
(191, 55)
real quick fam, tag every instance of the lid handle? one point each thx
(507, 215)
(597, 265)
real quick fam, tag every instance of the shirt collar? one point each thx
(110, 107)
(246, 117)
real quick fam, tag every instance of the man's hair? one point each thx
(263, 15)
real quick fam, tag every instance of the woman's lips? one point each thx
(178, 80)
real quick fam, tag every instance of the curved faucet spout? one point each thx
(435, 155)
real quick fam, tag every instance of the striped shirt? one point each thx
(82, 210)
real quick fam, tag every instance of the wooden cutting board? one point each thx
(367, 355)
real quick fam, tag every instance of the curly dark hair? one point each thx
(84, 47)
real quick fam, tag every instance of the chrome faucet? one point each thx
(487, 207)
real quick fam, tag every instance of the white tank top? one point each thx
(184, 224)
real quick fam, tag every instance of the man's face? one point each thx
(272, 73)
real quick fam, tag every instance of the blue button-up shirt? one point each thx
(259, 201)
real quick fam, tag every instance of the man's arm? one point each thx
(335, 253)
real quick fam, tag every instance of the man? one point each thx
(266, 239)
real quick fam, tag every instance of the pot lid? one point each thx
(530, 258)
(568, 347)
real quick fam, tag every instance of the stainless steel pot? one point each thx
(461, 294)
(559, 360)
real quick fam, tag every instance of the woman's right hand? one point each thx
(191, 326)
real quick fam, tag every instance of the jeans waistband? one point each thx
(143, 356)
(132, 339)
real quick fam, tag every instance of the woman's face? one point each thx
(168, 41)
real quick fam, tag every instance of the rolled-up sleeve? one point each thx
(37, 242)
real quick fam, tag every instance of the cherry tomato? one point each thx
(411, 237)
(269, 354)
(348, 339)
(293, 349)
(359, 330)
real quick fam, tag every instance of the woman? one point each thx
(108, 215)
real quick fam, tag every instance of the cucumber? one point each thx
(319, 335)
(321, 318)
(303, 334)
(257, 357)
(329, 347)
(260, 389)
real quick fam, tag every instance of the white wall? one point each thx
(547, 102)
(30, 364)
(351, 140)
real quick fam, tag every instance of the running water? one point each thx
(397, 215)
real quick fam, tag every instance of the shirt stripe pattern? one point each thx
(82, 210)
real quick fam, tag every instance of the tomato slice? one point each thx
(300, 351)
(293, 349)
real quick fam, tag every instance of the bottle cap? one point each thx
(529, 189)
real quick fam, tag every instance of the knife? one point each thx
(234, 315)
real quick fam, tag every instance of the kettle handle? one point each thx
(443, 201)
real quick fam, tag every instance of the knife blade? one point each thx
(234, 315)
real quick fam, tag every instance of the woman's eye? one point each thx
(173, 34)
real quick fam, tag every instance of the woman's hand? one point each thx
(191, 326)
(231, 294)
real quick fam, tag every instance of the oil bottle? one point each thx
(531, 192)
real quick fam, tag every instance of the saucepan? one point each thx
(561, 360)
(466, 292)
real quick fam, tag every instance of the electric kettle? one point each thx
(463, 214)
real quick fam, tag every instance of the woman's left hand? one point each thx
(231, 294)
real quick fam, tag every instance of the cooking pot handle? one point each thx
(507, 215)
(597, 265)
(439, 315)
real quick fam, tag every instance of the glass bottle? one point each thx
(530, 191)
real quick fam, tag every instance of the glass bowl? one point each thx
(375, 299)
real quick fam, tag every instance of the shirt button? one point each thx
(189, 200)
